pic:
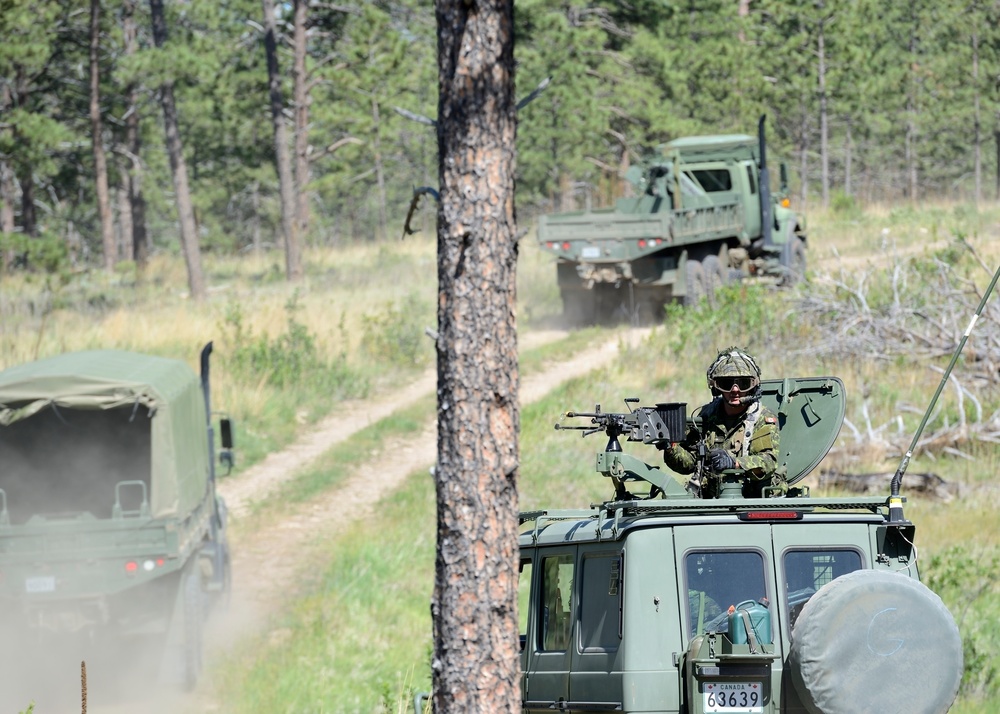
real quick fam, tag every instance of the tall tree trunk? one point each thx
(123, 237)
(976, 120)
(824, 130)
(911, 110)
(7, 191)
(96, 130)
(301, 99)
(286, 186)
(19, 98)
(476, 656)
(6, 211)
(379, 169)
(743, 12)
(848, 161)
(175, 150)
(132, 173)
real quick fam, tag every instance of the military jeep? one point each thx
(662, 601)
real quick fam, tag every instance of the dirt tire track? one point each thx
(272, 554)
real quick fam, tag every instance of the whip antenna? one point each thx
(895, 502)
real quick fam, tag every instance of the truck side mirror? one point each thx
(226, 429)
(226, 434)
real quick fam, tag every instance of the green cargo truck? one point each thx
(660, 601)
(703, 215)
(110, 526)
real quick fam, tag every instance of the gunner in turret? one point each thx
(736, 431)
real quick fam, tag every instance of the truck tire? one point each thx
(579, 307)
(796, 261)
(874, 640)
(193, 614)
(714, 276)
(694, 278)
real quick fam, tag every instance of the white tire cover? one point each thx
(876, 641)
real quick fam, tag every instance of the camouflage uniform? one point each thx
(758, 458)
(750, 438)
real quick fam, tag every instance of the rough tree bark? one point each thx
(301, 99)
(175, 149)
(476, 659)
(108, 244)
(132, 177)
(824, 127)
(286, 185)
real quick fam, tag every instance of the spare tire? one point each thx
(874, 640)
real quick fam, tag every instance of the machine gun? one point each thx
(656, 426)
(659, 426)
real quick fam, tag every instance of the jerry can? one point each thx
(760, 621)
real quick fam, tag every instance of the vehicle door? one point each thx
(595, 680)
(550, 632)
(751, 199)
(807, 557)
(722, 566)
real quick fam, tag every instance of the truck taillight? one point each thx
(149, 565)
(565, 245)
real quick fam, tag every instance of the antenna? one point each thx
(895, 502)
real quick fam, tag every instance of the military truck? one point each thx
(658, 600)
(110, 526)
(702, 215)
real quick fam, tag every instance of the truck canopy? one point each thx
(75, 428)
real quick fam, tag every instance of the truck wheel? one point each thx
(714, 276)
(695, 280)
(872, 637)
(579, 307)
(797, 261)
(193, 617)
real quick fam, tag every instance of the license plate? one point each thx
(40, 584)
(591, 251)
(733, 697)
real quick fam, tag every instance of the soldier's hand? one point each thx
(720, 460)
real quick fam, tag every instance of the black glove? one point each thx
(719, 460)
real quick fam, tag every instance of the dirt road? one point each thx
(268, 557)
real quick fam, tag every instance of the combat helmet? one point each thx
(736, 363)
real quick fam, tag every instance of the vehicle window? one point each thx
(717, 581)
(714, 180)
(600, 602)
(753, 180)
(806, 571)
(523, 599)
(557, 606)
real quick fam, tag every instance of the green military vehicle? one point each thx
(110, 526)
(662, 601)
(703, 215)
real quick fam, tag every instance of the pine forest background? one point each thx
(868, 101)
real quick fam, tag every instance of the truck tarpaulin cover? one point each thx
(165, 393)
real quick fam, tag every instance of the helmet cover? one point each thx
(733, 362)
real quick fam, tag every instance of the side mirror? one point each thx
(226, 435)
(226, 432)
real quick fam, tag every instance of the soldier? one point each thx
(737, 431)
